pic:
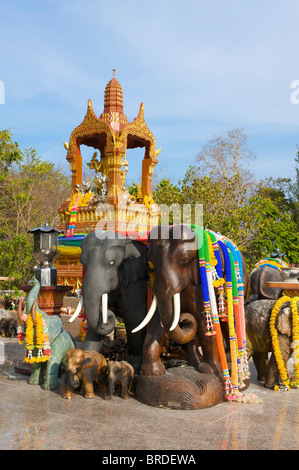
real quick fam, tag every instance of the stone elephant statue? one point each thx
(258, 312)
(177, 288)
(59, 340)
(119, 373)
(115, 268)
(257, 282)
(259, 342)
(84, 368)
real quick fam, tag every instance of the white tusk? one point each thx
(148, 316)
(77, 311)
(105, 308)
(176, 311)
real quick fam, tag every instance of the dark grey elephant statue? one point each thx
(115, 268)
(259, 343)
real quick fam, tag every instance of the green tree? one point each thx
(31, 191)
(258, 216)
(9, 153)
(295, 190)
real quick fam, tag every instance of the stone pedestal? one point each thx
(50, 298)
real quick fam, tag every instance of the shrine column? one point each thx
(114, 157)
(148, 165)
(75, 161)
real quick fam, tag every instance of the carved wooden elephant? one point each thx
(84, 367)
(178, 313)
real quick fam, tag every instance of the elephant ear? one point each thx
(134, 265)
(87, 244)
(284, 322)
(87, 362)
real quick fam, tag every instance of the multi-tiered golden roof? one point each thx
(110, 206)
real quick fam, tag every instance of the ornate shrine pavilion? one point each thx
(105, 202)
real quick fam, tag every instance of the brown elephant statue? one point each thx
(84, 368)
(177, 288)
(119, 373)
(259, 342)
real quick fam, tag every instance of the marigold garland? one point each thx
(295, 337)
(83, 329)
(275, 342)
(36, 337)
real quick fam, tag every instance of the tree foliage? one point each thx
(259, 216)
(31, 190)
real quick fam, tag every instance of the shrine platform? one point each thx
(34, 419)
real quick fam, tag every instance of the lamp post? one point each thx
(45, 252)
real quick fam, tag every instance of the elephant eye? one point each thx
(112, 262)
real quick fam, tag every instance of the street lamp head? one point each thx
(45, 252)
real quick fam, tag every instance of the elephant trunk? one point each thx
(70, 380)
(19, 310)
(32, 296)
(99, 318)
(181, 328)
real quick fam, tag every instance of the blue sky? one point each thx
(200, 67)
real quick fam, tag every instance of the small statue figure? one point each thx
(101, 185)
(119, 373)
(84, 368)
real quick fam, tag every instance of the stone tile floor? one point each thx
(34, 419)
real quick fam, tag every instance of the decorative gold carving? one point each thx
(98, 166)
(110, 134)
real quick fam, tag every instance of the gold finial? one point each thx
(114, 70)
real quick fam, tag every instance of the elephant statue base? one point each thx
(181, 388)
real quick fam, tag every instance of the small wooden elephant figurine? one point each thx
(119, 373)
(84, 368)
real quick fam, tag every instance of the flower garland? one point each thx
(275, 263)
(36, 337)
(83, 329)
(230, 305)
(231, 326)
(295, 336)
(73, 218)
(275, 343)
(21, 330)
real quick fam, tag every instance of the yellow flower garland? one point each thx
(37, 339)
(295, 334)
(83, 329)
(232, 337)
(295, 337)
